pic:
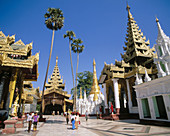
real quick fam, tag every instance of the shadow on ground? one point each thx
(55, 121)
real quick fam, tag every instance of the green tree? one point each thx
(54, 21)
(77, 48)
(70, 35)
(38, 107)
(85, 80)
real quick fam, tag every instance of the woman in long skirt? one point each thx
(73, 123)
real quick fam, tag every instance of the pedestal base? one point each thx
(20, 123)
(9, 127)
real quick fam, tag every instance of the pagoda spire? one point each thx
(95, 89)
(56, 60)
(55, 82)
(136, 44)
(129, 14)
(161, 33)
(81, 93)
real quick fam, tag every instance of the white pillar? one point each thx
(161, 73)
(163, 53)
(167, 69)
(166, 99)
(105, 95)
(166, 47)
(116, 93)
(151, 108)
(140, 108)
(129, 95)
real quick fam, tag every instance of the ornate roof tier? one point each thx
(137, 57)
(18, 55)
(136, 44)
(55, 83)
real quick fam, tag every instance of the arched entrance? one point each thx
(50, 108)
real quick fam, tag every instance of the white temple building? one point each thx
(94, 101)
(153, 97)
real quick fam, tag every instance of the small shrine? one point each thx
(56, 100)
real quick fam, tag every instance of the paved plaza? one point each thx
(56, 126)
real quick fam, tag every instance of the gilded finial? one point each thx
(128, 7)
(129, 14)
(157, 20)
(56, 60)
(94, 63)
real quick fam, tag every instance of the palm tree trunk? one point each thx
(42, 102)
(71, 62)
(76, 77)
(72, 69)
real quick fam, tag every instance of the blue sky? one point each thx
(101, 24)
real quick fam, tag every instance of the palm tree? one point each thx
(77, 48)
(54, 21)
(70, 35)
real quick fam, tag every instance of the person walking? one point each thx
(86, 115)
(73, 121)
(67, 117)
(29, 120)
(97, 115)
(77, 120)
(36, 119)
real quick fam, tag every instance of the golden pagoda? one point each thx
(17, 65)
(81, 97)
(95, 89)
(55, 99)
(118, 79)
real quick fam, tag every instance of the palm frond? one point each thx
(54, 19)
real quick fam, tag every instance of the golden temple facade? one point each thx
(17, 64)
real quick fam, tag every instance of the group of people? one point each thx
(32, 119)
(74, 118)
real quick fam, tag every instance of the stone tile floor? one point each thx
(56, 126)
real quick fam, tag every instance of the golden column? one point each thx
(20, 87)
(64, 107)
(43, 105)
(12, 86)
(23, 107)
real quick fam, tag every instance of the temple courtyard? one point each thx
(56, 126)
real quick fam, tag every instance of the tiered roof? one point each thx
(136, 44)
(137, 57)
(55, 82)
